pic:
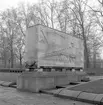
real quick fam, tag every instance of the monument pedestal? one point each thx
(36, 81)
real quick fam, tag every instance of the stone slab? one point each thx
(69, 93)
(102, 99)
(1, 82)
(56, 91)
(98, 98)
(87, 96)
(6, 83)
(61, 80)
(19, 82)
(53, 92)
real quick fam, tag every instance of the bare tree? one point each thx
(77, 9)
(97, 17)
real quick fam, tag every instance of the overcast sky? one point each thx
(4, 4)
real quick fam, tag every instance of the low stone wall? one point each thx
(36, 81)
(8, 76)
(94, 71)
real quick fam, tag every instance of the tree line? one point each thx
(76, 17)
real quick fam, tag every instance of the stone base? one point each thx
(36, 81)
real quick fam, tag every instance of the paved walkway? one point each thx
(10, 96)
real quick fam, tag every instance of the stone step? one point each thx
(7, 84)
(76, 95)
(52, 91)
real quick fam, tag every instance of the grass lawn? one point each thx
(92, 87)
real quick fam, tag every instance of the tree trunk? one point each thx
(12, 54)
(12, 58)
(65, 24)
(94, 59)
(20, 60)
(86, 56)
(4, 58)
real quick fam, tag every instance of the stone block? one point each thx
(26, 83)
(87, 96)
(45, 83)
(1, 82)
(20, 82)
(32, 85)
(51, 91)
(101, 99)
(35, 81)
(69, 93)
(98, 98)
(6, 84)
(61, 80)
